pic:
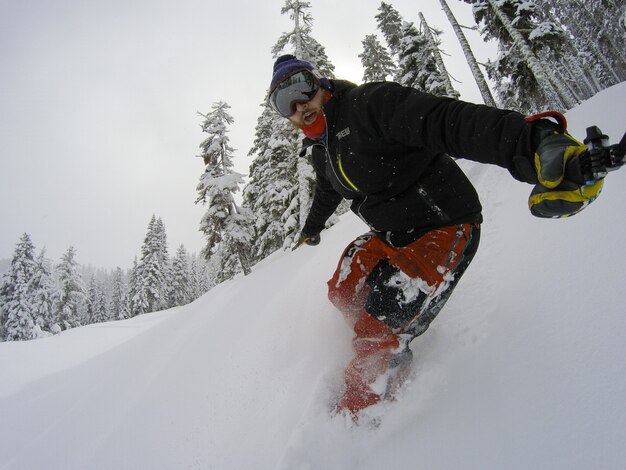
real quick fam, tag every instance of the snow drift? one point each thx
(524, 368)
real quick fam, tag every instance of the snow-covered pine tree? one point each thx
(150, 273)
(95, 304)
(100, 311)
(16, 300)
(137, 303)
(164, 261)
(200, 281)
(90, 302)
(300, 175)
(179, 290)
(432, 36)
(118, 296)
(70, 293)
(477, 73)
(522, 80)
(377, 63)
(389, 24)
(279, 192)
(580, 77)
(299, 40)
(605, 21)
(597, 40)
(419, 62)
(226, 227)
(417, 66)
(42, 288)
(271, 188)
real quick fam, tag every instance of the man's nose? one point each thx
(301, 106)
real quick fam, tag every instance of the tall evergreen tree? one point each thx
(376, 61)
(16, 300)
(179, 290)
(137, 302)
(432, 38)
(100, 310)
(299, 40)
(579, 72)
(389, 23)
(418, 62)
(607, 30)
(522, 80)
(150, 273)
(118, 299)
(42, 288)
(90, 302)
(227, 227)
(279, 194)
(95, 303)
(596, 42)
(70, 294)
(417, 66)
(200, 280)
(271, 189)
(164, 260)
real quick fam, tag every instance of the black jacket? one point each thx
(389, 150)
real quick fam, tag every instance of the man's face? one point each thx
(306, 113)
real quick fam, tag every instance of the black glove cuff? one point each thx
(523, 170)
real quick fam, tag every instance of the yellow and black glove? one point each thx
(562, 191)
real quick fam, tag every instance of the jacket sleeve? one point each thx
(457, 128)
(325, 198)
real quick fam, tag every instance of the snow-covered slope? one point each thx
(524, 369)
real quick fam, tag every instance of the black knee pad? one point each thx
(387, 301)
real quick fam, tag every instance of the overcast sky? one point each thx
(98, 103)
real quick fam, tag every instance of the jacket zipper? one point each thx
(349, 189)
(341, 182)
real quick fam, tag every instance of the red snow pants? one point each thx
(390, 295)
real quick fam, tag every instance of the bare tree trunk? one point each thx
(469, 55)
(298, 46)
(239, 247)
(304, 190)
(243, 260)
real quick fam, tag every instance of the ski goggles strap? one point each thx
(299, 87)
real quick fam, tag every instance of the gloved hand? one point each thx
(311, 240)
(565, 200)
(562, 191)
(556, 152)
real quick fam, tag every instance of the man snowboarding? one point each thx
(390, 150)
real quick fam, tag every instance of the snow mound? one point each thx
(524, 368)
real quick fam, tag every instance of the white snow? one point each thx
(525, 368)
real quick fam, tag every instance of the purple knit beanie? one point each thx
(287, 65)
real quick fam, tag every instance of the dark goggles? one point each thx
(297, 88)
